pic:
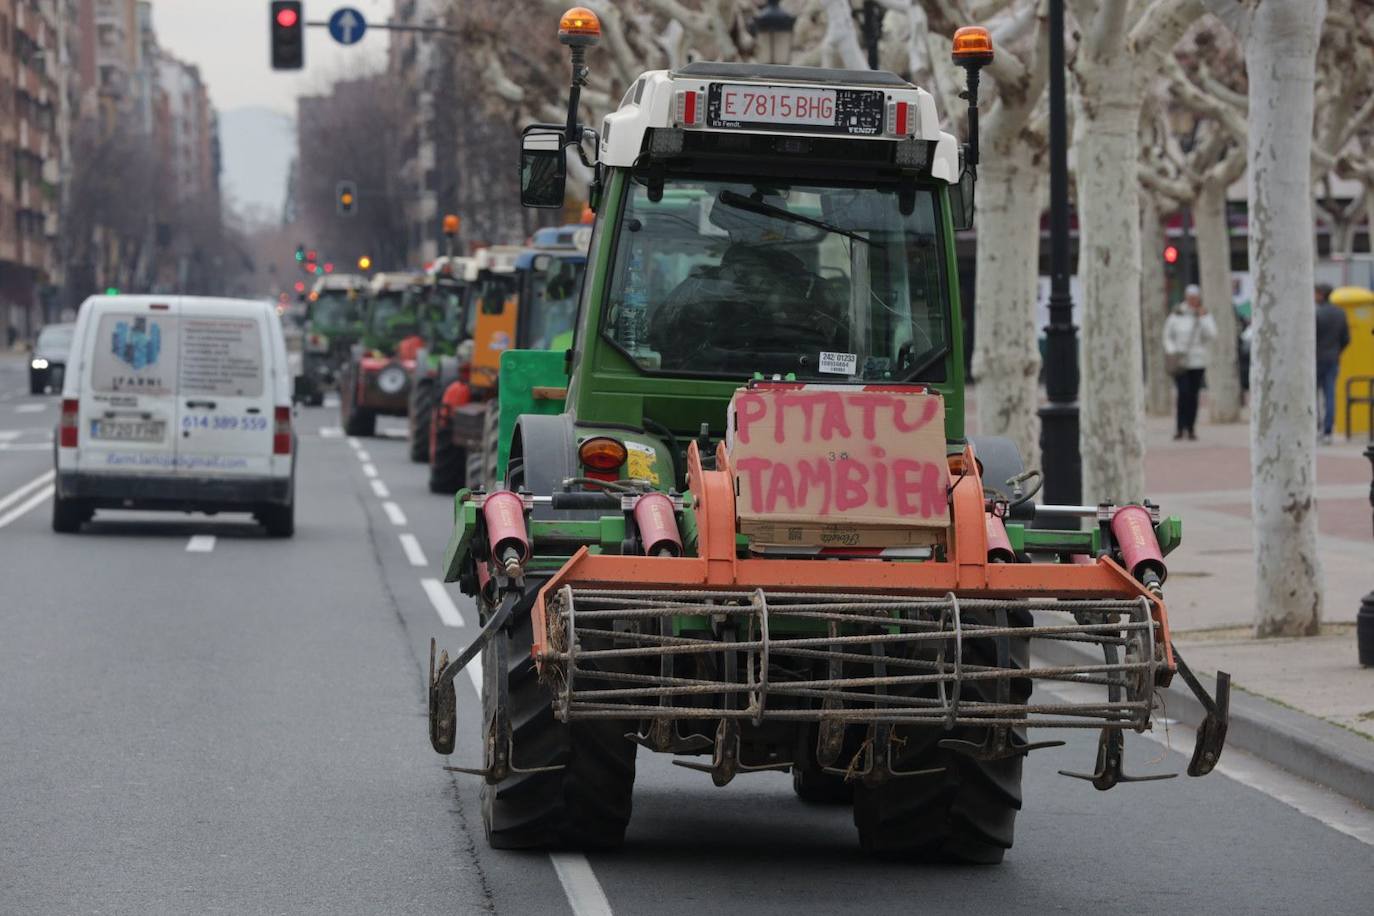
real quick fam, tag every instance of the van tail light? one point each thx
(281, 432)
(68, 424)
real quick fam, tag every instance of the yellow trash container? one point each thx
(1358, 359)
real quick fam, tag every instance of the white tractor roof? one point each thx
(870, 105)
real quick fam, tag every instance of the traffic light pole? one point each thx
(1060, 457)
(392, 27)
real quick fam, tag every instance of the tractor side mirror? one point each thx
(961, 200)
(543, 169)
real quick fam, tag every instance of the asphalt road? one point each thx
(196, 718)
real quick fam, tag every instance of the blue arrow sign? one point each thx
(347, 25)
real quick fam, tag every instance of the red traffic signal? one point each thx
(300, 286)
(329, 267)
(1170, 255)
(287, 17)
(287, 35)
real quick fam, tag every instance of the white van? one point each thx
(179, 403)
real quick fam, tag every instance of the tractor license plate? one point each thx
(129, 430)
(857, 112)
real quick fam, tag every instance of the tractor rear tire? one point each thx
(965, 814)
(813, 784)
(360, 422)
(421, 415)
(587, 804)
(448, 470)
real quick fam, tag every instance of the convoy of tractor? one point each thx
(715, 496)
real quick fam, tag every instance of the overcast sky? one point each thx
(228, 41)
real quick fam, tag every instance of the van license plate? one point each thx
(129, 430)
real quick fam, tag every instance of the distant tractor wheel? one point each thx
(360, 422)
(420, 414)
(585, 805)
(448, 469)
(68, 515)
(966, 812)
(811, 782)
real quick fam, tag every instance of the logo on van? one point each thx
(139, 344)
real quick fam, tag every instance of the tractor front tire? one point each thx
(421, 415)
(967, 812)
(360, 422)
(585, 805)
(448, 468)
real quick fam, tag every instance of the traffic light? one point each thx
(300, 253)
(346, 197)
(1170, 254)
(288, 35)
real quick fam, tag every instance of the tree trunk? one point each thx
(1154, 309)
(1280, 55)
(1006, 360)
(1112, 439)
(1214, 270)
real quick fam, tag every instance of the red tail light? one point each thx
(281, 432)
(68, 428)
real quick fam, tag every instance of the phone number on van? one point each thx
(245, 424)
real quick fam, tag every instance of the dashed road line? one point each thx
(369, 470)
(331, 432)
(27, 505)
(411, 545)
(17, 494)
(200, 543)
(7, 434)
(583, 891)
(363, 456)
(30, 408)
(330, 400)
(353, 441)
(393, 512)
(443, 606)
(380, 489)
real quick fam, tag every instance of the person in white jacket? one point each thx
(1188, 335)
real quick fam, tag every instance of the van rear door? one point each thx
(225, 397)
(127, 407)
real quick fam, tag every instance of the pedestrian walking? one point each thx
(1333, 336)
(1188, 333)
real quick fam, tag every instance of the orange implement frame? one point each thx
(966, 572)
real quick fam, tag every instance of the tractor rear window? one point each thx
(736, 277)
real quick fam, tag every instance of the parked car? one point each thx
(176, 403)
(48, 362)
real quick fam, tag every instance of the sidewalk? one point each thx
(1285, 686)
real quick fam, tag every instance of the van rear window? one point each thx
(135, 353)
(162, 354)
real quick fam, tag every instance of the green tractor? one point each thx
(376, 380)
(332, 325)
(446, 324)
(753, 533)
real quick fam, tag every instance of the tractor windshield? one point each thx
(336, 309)
(555, 284)
(731, 277)
(392, 316)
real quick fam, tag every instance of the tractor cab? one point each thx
(377, 379)
(332, 325)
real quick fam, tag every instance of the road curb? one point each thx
(1300, 743)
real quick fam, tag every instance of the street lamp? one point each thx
(1059, 418)
(773, 26)
(870, 15)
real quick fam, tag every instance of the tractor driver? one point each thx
(760, 301)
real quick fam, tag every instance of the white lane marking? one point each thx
(6, 434)
(363, 456)
(393, 512)
(380, 489)
(26, 446)
(330, 400)
(200, 543)
(369, 470)
(331, 432)
(411, 545)
(15, 495)
(20, 509)
(1316, 801)
(444, 606)
(584, 892)
(353, 441)
(30, 408)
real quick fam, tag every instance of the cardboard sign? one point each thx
(839, 455)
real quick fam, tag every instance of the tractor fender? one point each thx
(546, 449)
(999, 460)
